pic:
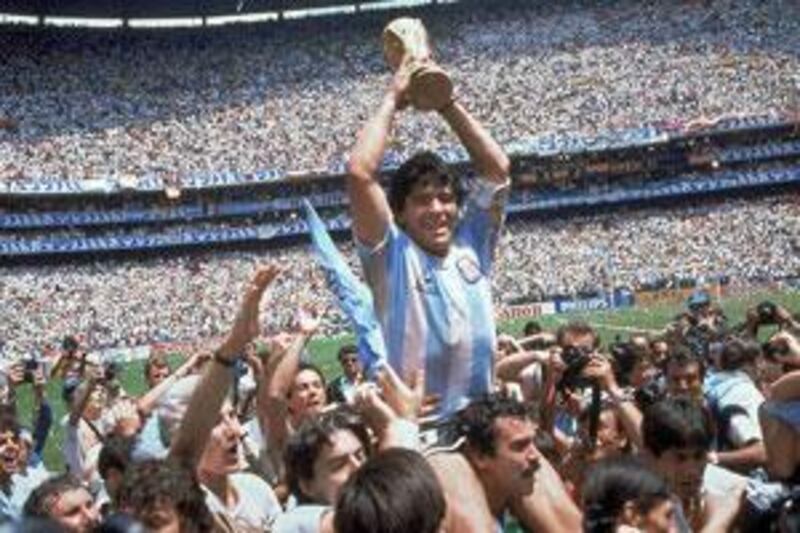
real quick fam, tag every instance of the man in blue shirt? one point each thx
(427, 251)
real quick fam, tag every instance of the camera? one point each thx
(69, 344)
(110, 371)
(767, 312)
(30, 365)
(575, 358)
(773, 351)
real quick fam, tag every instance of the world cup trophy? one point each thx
(430, 87)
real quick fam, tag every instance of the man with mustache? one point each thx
(500, 470)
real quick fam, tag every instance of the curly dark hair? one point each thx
(613, 483)
(421, 167)
(305, 445)
(676, 423)
(158, 482)
(476, 422)
(394, 492)
(40, 501)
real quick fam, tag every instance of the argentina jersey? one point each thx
(436, 312)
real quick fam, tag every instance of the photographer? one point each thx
(784, 349)
(86, 424)
(734, 399)
(71, 362)
(32, 371)
(767, 313)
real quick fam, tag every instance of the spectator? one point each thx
(623, 493)
(66, 501)
(394, 492)
(163, 496)
(734, 400)
(342, 388)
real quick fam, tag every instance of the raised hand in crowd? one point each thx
(392, 407)
(784, 347)
(210, 393)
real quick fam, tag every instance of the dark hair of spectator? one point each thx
(674, 424)
(41, 500)
(394, 492)
(347, 349)
(611, 484)
(155, 361)
(306, 444)
(532, 327)
(157, 482)
(575, 328)
(70, 343)
(681, 356)
(476, 422)
(115, 453)
(737, 353)
(421, 167)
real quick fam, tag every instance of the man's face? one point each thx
(610, 436)
(351, 366)
(9, 453)
(223, 452)
(334, 466)
(683, 469)
(98, 401)
(584, 341)
(643, 371)
(307, 395)
(156, 374)
(429, 215)
(684, 380)
(660, 518)
(74, 510)
(515, 459)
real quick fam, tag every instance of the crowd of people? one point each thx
(692, 427)
(265, 97)
(131, 303)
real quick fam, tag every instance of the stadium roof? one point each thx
(127, 9)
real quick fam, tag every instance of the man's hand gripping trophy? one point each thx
(422, 83)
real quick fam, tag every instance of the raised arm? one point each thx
(82, 395)
(202, 413)
(149, 400)
(279, 372)
(487, 156)
(600, 369)
(369, 208)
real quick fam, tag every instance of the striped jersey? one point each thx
(436, 313)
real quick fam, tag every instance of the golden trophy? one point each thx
(430, 87)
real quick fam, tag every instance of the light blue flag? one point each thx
(355, 298)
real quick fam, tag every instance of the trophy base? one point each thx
(431, 88)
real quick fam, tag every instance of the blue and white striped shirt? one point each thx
(437, 312)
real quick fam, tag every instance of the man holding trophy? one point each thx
(427, 248)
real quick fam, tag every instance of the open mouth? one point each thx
(232, 452)
(10, 461)
(314, 403)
